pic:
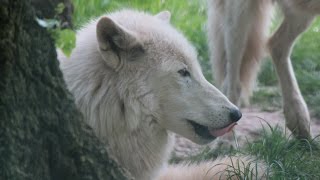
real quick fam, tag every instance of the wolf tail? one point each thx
(235, 167)
(254, 33)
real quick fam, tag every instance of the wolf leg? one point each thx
(280, 46)
(238, 22)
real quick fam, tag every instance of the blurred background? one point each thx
(189, 16)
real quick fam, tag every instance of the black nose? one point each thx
(235, 115)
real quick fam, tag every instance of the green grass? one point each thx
(286, 157)
(289, 158)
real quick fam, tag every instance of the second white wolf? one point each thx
(237, 31)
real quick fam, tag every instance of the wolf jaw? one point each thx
(210, 133)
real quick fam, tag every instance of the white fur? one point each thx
(124, 76)
(231, 168)
(237, 38)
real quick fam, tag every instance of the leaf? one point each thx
(65, 40)
(59, 9)
(48, 23)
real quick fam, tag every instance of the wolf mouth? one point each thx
(210, 133)
(202, 131)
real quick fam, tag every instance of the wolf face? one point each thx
(161, 77)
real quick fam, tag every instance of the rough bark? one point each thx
(42, 135)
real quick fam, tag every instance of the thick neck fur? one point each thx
(116, 116)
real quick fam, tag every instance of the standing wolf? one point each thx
(237, 37)
(135, 78)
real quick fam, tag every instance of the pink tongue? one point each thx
(220, 132)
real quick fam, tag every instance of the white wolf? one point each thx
(135, 78)
(237, 37)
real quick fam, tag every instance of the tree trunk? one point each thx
(42, 134)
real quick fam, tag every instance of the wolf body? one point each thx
(237, 32)
(136, 80)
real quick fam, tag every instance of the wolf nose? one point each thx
(235, 115)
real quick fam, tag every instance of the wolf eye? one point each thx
(184, 72)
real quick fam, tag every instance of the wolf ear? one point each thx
(164, 16)
(112, 39)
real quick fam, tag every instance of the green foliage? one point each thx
(65, 40)
(59, 9)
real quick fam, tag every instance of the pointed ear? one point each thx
(112, 39)
(164, 16)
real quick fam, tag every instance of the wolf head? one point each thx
(158, 68)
